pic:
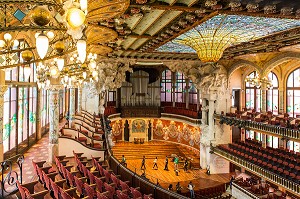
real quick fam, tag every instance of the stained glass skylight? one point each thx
(211, 38)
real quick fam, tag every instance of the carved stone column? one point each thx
(211, 110)
(54, 121)
(263, 97)
(3, 89)
(204, 119)
(72, 105)
(38, 114)
(79, 108)
(281, 100)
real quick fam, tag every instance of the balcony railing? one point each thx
(268, 175)
(245, 191)
(260, 127)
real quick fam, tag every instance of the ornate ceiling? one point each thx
(152, 24)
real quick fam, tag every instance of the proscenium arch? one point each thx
(242, 63)
(274, 62)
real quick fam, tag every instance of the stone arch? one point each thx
(284, 57)
(241, 63)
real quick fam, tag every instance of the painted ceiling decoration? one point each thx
(155, 24)
(210, 39)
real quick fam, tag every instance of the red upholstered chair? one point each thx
(100, 169)
(91, 177)
(90, 192)
(124, 186)
(107, 176)
(65, 195)
(147, 196)
(101, 196)
(55, 188)
(115, 180)
(24, 192)
(122, 195)
(79, 185)
(110, 189)
(136, 194)
(99, 184)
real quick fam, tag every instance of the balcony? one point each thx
(277, 130)
(259, 171)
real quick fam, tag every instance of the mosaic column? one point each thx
(39, 114)
(263, 97)
(54, 121)
(72, 105)
(79, 108)
(3, 89)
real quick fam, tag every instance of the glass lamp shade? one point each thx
(81, 49)
(42, 44)
(54, 72)
(27, 72)
(7, 37)
(83, 4)
(75, 17)
(94, 73)
(84, 75)
(60, 63)
(2, 43)
(92, 64)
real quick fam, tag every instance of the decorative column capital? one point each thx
(3, 89)
(55, 87)
(72, 86)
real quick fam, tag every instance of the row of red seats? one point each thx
(278, 167)
(181, 111)
(211, 192)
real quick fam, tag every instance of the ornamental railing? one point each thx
(259, 171)
(259, 127)
(10, 175)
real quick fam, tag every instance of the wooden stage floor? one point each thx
(199, 177)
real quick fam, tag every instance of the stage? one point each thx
(134, 153)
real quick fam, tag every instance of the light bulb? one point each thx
(95, 73)
(7, 37)
(83, 4)
(75, 17)
(81, 49)
(50, 35)
(84, 75)
(92, 64)
(54, 72)
(60, 63)
(47, 82)
(16, 42)
(27, 72)
(2, 43)
(42, 44)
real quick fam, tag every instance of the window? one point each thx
(192, 93)
(166, 86)
(253, 95)
(272, 94)
(180, 88)
(293, 93)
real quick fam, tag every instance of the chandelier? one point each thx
(259, 82)
(63, 38)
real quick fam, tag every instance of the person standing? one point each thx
(176, 160)
(191, 188)
(124, 161)
(178, 188)
(143, 167)
(166, 164)
(185, 165)
(155, 163)
(231, 181)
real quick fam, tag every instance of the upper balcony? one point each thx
(278, 125)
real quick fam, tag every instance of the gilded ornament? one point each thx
(40, 16)
(59, 47)
(27, 55)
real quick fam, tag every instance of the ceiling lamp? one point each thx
(27, 56)
(81, 49)
(259, 82)
(60, 63)
(75, 17)
(42, 44)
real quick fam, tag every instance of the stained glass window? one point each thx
(166, 86)
(272, 94)
(293, 93)
(193, 97)
(180, 88)
(252, 95)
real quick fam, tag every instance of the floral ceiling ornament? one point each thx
(252, 7)
(210, 3)
(270, 9)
